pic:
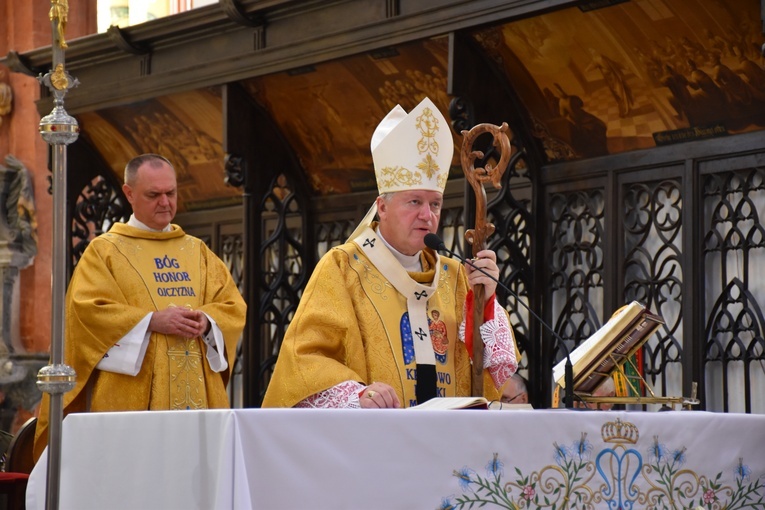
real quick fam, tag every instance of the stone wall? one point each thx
(24, 25)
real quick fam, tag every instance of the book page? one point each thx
(496, 405)
(596, 345)
(588, 345)
(454, 403)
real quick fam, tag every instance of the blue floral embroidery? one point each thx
(571, 482)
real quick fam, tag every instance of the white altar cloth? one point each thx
(419, 459)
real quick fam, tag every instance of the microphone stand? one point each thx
(434, 242)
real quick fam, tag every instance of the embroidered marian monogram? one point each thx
(652, 468)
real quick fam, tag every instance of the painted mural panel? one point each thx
(637, 74)
(634, 75)
(329, 111)
(185, 127)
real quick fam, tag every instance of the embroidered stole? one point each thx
(170, 270)
(434, 368)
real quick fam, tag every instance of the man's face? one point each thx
(407, 217)
(153, 195)
(514, 393)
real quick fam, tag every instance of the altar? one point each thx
(419, 459)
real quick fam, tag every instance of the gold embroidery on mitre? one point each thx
(427, 124)
(442, 180)
(619, 432)
(429, 166)
(394, 177)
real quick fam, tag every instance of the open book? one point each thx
(468, 403)
(454, 403)
(609, 347)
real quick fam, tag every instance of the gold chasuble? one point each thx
(122, 276)
(360, 330)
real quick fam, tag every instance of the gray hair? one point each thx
(154, 160)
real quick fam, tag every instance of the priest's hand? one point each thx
(181, 321)
(487, 261)
(379, 396)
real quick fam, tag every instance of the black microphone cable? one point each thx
(435, 243)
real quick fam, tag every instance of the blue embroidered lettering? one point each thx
(176, 291)
(411, 374)
(444, 377)
(440, 392)
(166, 262)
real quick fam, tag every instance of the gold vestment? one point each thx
(122, 276)
(350, 326)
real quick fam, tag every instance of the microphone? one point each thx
(435, 243)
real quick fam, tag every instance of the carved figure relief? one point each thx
(6, 99)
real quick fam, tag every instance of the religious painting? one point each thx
(636, 74)
(186, 128)
(329, 110)
(595, 81)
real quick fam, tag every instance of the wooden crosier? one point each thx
(483, 229)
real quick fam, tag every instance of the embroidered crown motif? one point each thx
(619, 432)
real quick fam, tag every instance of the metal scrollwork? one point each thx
(98, 207)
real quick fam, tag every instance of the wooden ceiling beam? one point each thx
(206, 47)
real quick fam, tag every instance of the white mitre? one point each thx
(410, 152)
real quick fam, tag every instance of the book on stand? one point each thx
(595, 359)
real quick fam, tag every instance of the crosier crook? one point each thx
(483, 229)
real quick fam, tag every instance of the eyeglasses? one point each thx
(510, 400)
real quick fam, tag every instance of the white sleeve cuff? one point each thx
(499, 346)
(216, 348)
(126, 356)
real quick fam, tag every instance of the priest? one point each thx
(153, 316)
(382, 321)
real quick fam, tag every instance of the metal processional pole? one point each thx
(58, 129)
